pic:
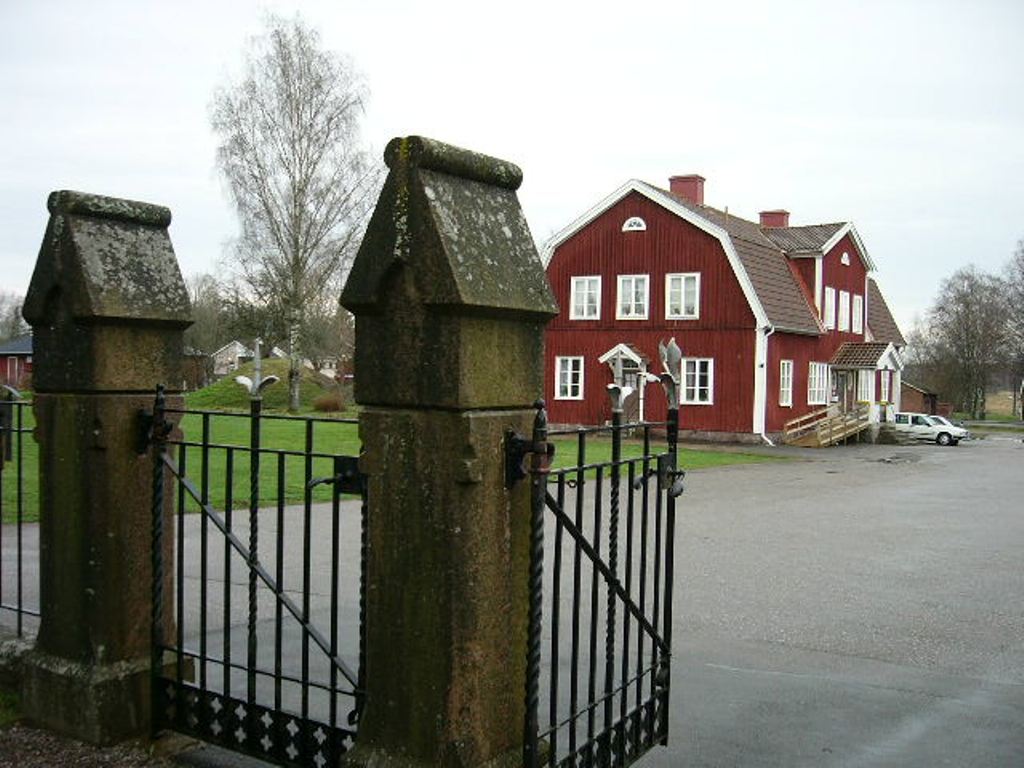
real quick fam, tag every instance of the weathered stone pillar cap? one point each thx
(430, 154)
(99, 206)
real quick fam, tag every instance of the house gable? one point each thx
(673, 205)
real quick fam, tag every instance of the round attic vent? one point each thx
(634, 224)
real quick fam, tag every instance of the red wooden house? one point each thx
(16, 361)
(774, 321)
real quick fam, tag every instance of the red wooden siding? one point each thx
(724, 331)
(802, 350)
(852, 278)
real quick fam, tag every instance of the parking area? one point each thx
(862, 606)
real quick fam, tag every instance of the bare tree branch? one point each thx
(301, 181)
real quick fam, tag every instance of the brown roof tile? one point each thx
(880, 320)
(805, 239)
(779, 290)
(857, 354)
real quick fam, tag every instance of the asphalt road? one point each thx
(862, 608)
(859, 606)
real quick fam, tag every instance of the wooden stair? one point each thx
(827, 426)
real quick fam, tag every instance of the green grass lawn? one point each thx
(599, 450)
(27, 491)
(9, 711)
(330, 436)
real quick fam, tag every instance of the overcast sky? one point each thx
(904, 117)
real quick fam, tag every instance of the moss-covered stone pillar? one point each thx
(107, 305)
(450, 301)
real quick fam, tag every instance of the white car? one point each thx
(921, 426)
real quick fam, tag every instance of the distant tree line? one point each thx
(972, 335)
(12, 324)
(223, 311)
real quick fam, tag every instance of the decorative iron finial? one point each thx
(618, 394)
(258, 383)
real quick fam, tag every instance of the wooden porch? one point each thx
(827, 426)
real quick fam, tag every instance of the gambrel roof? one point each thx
(768, 281)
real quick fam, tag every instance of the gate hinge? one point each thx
(517, 448)
(149, 432)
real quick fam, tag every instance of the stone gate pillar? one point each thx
(107, 306)
(451, 301)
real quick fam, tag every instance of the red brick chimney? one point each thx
(777, 218)
(688, 187)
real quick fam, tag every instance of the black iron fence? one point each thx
(257, 638)
(19, 513)
(601, 595)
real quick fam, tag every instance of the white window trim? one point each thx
(647, 298)
(843, 321)
(829, 314)
(865, 386)
(572, 297)
(858, 313)
(817, 395)
(884, 395)
(559, 360)
(683, 276)
(711, 381)
(786, 383)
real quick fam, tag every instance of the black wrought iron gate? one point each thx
(600, 632)
(257, 639)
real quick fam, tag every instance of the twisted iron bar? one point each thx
(538, 492)
(255, 407)
(159, 431)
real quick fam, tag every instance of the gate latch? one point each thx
(669, 478)
(348, 478)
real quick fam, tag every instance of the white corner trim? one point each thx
(657, 196)
(849, 229)
(760, 378)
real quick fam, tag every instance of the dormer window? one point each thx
(634, 224)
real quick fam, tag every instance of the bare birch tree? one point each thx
(299, 177)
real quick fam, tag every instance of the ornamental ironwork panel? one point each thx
(257, 637)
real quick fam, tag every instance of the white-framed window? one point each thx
(632, 300)
(858, 313)
(786, 382)
(568, 378)
(585, 298)
(682, 296)
(844, 311)
(845, 259)
(829, 316)
(698, 380)
(817, 384)
(884, 397)
(865, 386)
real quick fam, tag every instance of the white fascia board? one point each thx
(576, 225)
(624, 351)
(890, 359)
(849, 229)
(666, 202)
